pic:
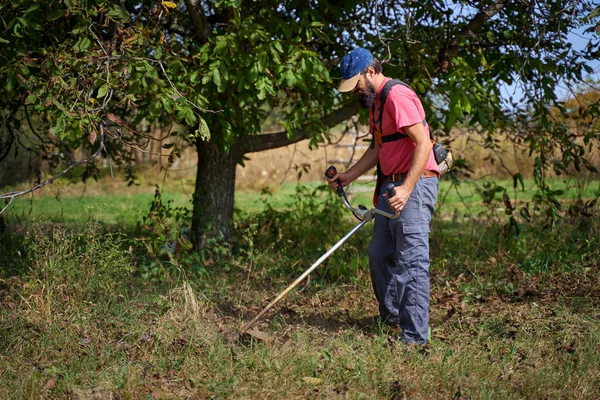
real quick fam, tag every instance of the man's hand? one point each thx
(400, 199)
(344, 180)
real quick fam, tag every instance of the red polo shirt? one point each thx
(402, 108)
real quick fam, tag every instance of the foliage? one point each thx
(166, 243)
(115, 65)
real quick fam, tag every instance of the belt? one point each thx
(400, 177)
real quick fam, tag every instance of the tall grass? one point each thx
(511, 316)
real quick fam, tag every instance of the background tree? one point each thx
(92, 71)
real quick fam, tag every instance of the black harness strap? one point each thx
(393, 137)
(379, 120)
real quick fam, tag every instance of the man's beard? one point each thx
(366, 97)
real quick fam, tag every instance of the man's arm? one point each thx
(366, 162)
(418, 134)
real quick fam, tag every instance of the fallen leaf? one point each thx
(50, 384)
(258, 334)
(311, 380)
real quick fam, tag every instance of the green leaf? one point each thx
(55, 14)
(166, 105)
(194, 77)
(290, 78)
(221, 45)
(262, 92)
(155, 108)
(217, 78)
(466, 105)
(59, 128)
(31, 98)
(190, 117)
(594, 13)
(59, 106)
(482, 119)
(187, 114)
(277, 46)
(252, 74)
(263, 58)
(103, 90)
(518, 178)
(456, 111)
(118, 14)
(525, 214)
(203, 132)
(82, 44)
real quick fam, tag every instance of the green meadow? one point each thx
(94, 305)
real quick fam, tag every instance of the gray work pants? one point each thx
(399, 261)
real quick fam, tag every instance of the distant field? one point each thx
(121, 205)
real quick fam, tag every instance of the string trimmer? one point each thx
(362, 213)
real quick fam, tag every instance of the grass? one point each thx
(126, 207)
(511, 316)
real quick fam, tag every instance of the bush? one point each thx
(87, 264)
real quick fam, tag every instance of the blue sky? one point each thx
(579, 39)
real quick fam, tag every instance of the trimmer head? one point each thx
(247, 336)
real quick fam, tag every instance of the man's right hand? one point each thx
(344, 180)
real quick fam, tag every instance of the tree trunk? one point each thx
(212, 215)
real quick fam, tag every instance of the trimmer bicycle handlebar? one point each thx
(362, 213)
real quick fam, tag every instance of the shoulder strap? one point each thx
(382, 98)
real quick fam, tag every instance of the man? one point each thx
(399, 250)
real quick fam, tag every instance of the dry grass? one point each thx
(80, 324)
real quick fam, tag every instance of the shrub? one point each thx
(88, 263)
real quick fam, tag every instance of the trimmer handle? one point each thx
(391, 190)
(330, 173)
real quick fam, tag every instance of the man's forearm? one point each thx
(419, 161)
(366, 162)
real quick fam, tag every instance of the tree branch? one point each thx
(42, 141)
(11, 195)
(6, 146)
(198, 19)
(446, 53)
(280, 139)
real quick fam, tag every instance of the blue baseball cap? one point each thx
(351, 66)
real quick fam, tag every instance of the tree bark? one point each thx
(212, 215)
(279, 139)
(198, 19)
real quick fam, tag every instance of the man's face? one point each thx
(365, 91)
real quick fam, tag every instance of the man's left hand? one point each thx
(400, 199)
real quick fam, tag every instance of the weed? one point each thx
(165, 238)
(511, 317)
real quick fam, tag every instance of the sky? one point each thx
(579, 40)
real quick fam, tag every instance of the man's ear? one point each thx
(371, 71)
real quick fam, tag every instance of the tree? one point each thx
(94, 70)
